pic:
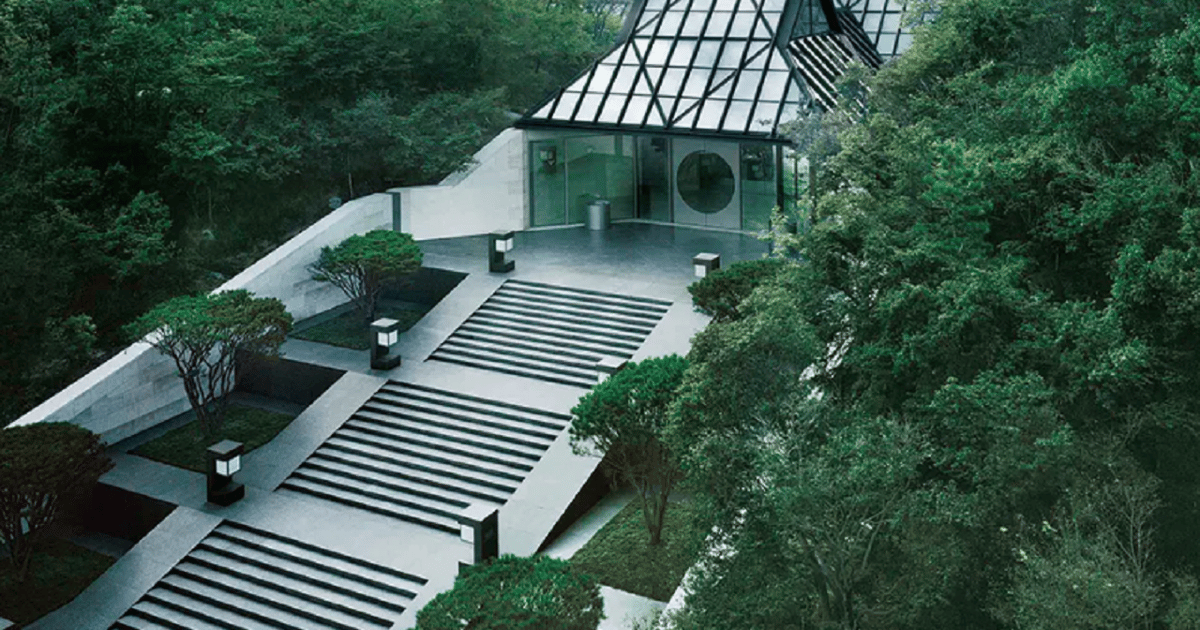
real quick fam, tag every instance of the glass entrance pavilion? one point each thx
(681, 121)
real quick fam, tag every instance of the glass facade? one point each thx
(760, 186)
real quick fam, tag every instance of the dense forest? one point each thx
(973, 400)
(154, 148)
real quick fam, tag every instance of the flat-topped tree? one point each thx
(45, 470)
(623, 419)
(204, 333)
(364, 263)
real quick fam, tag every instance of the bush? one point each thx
(515, 593)
(45, 471)
(720, 293)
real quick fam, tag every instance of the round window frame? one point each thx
(709, 167)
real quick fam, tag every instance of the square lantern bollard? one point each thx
(479, 525)
(384, 335)
(224, 459)
(499, 244)
(608, 366)
(704, 264)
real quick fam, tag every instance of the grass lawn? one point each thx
(58, 571)
(619, 555)
(348, 330)
(185, 446)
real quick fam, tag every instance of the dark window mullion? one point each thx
(687, 74)
(656, 86)
(720, 51)
(739, 74)
(654, 104)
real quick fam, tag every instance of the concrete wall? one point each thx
(490, 195)
(138, 388)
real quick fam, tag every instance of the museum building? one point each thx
(683, 121)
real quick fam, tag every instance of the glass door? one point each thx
(654, 179)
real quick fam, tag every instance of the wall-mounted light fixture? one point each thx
(549, 158)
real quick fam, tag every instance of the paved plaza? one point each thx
(402, 551)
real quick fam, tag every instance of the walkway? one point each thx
(644, 261)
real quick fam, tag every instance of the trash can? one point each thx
(599, 214)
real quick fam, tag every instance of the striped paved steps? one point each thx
(551, 333)
(240, 577)
(422, 455)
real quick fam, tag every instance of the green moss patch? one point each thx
(58, 571)
(620, 556)
(349, 330)
(185, 446)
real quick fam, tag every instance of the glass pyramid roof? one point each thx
(716, 67)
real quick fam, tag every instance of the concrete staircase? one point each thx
(551, 333)
(421, 454)
(243, 578)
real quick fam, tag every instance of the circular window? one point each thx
(705, 181)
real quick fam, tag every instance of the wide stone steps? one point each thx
(423, 455)
(551, 333)
(241, 577)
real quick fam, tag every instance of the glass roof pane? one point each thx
(642, 86)
(707, 57)
(761, 30)
(905, 41)
(624, 81)
(887, 43)
(773, 18)
(735, 120)
(655, 119)
(544, 112)
(871, 22)
(699, 5)
(671, 82)
(717, 24)
(743, 23)
(666, 103)
(757, 59)
(654, 5)
(773, 85)
(647, 19)
(686, 107)
(652, 74)
(696, 82)
(710, 114)
(658, 52)
(612, 110)
(601, 78)
(720, 91)
(566, 105)
(687, 121)
(683, 52)
(725, 5)
(891, 22)
(694, 24)
(636, 110)
(589, 108)
(764, 117)
(731, 56)
(747, 84)
(670, 22)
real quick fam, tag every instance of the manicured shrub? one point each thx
(719, 293)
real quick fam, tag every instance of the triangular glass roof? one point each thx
(713, 67)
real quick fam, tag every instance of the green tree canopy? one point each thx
(45, 470)
(364, 263)
(624, 419)
(203, 334)
(515, 593)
